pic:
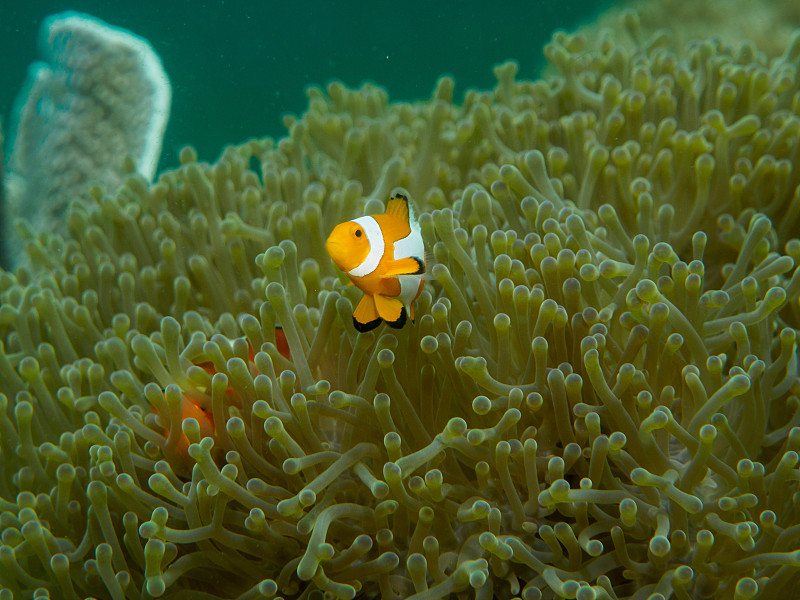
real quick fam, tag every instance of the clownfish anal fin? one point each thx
(404, 266)
(389, 309)
(398, 207)
(401, 320)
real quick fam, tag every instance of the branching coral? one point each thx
(599, 398)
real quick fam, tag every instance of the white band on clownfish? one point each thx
(376, 247)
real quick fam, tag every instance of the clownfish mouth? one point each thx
(338, 252)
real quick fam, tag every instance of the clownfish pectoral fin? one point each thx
(365, 316)
(404, 266)
(391, 310)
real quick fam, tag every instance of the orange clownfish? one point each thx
(384, 256)
(191, 409)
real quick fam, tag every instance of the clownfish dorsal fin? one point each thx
(398, 208)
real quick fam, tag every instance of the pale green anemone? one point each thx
(599, 399)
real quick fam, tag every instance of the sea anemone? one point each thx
(599, 399)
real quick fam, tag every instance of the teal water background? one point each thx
(237, 66)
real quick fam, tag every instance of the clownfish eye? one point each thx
(358, 233)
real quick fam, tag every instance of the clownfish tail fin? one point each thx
(427, 264)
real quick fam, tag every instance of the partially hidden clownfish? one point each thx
(191, 409)
(384, 256)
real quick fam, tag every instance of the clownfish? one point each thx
(384, 256)
(190, 408)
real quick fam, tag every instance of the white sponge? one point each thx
(99, 96)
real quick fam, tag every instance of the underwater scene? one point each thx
(336, 301)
